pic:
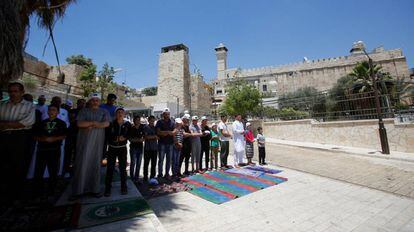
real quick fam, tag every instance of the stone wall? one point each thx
(361, 133)
(174, 77)
(200, 96)
(321, 73)
(148, 101)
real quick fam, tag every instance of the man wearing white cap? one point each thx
(165, 131)
(92, 122)
(195, 144)
(239, 142)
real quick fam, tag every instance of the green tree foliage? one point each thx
(361, 80)
(105, 80)
(242, 98)
(150, 91)
(88, 75)
(88, 80)
(304, 99)
(80, 60)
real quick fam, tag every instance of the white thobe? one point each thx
(239, 142)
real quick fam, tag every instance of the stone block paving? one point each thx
(386, 175)
(305, 203)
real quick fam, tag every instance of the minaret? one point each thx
(221, 54)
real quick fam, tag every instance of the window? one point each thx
(219, 91)
(264, 87)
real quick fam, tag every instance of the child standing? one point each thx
(261, 145)
(249, 143)
(215, 145)
(178, 146)
(49, 135)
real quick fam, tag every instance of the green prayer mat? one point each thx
(101, 213)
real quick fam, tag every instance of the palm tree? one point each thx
(362, 82)
(15, 22)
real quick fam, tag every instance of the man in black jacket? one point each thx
(117, 141)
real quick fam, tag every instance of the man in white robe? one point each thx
(239, 142)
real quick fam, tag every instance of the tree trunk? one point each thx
(11, 42)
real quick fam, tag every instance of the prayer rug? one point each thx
(164, 187)
(41, 219)
(219, 187)
(245, 171)
(263, 169)
(106, 212)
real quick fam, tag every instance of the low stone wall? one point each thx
(361, 133)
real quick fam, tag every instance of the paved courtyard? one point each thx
(325, 192)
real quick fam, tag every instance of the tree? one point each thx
(150, 91)
(15, 19)
(105, 80)
(242, 98)
(88, 80)
(361, 80)
(79, 60)
(304, 99)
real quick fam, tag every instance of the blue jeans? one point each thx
(136, 158)
(176, 161)
(165, 151)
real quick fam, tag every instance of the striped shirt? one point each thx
(22, 112)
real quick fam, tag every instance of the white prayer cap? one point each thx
(248, 124)
(94, 95)
(69, 102)
(195, 117)
(166, 110)
(186, 116)
(213, 125)
(204, 118)
(178, 120)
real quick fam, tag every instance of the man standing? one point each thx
(186, 150)
(165, 128)
(70, 140)
(195, 144)
(239, 142)
(150, 148)
(41, 107)
(205, 142)
(92, 122)
(224, 140)
(136, 139)
(117, 141)
(110, 105)
(16, 119)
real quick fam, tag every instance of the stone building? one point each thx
(201, 96)
(322, 74)
(177, 89)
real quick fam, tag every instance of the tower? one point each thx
(221, 54)
(174, 78)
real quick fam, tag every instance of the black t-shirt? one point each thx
(205, 140)
(136, 133)
(116, 130)
(165, 126)
(187, 140)
(50, 128)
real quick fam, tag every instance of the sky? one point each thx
(128, 34)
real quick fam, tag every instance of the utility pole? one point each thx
(178, 107)
(381, 128)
